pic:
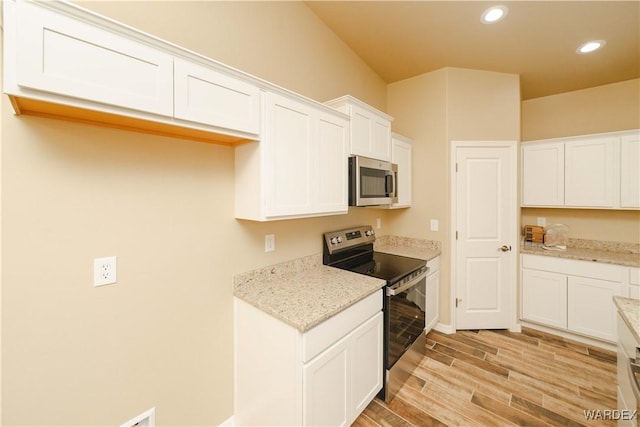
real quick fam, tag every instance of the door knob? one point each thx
(505, 248)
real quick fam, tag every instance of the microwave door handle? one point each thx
(390, 183)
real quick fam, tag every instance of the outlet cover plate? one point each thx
(104, 271)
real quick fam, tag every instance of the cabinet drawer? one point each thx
(60, 55)
(330, 331)
(594, 270)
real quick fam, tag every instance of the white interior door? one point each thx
(485, 225)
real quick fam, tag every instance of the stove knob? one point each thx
(339, 239)
(368, 233)
(334, 240)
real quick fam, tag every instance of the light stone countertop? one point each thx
(629, 308)
(625, 254)
(303, 293)
(409, 247)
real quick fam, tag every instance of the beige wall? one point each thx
(162, 336)
(434, 109)
(613, 107)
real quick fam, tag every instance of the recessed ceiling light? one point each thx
(494, 14)
(590, 46)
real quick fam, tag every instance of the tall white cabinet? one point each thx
(593, 171)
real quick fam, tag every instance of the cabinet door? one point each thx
(381, 139)
(544, 297)
(401, 155)
(207, 96)
(589, 172)
(288, 172)
(543, 174)
(370, 135)
(366, 363)
(591, 310)
(326, 387)
(630, 171)
(433, 292)
(331, 164)
(61, 55)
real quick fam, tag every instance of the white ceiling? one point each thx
(537, 39)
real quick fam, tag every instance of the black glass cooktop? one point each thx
(383, 266)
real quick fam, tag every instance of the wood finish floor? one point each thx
(501, 378)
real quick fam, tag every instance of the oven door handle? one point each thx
(634, 367)
(392, 291)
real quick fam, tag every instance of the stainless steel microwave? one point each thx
(372, 182)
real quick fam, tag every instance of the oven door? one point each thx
(372, 182)
(404, 318)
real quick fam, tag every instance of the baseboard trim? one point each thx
(229, 422)
(571, 336)
(445, 329)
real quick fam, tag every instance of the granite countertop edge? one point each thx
(584, 250)
(629, 309)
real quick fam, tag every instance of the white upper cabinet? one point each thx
(64, 61)
(299, 168)
(61, 55)
(589, 172)
(289, 144)
(595, 171)
(370, 128)
(401, 153)
(543, 174)
(630, 170)
(207, 96)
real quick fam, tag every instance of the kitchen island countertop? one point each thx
(303, 293)
(629, 309)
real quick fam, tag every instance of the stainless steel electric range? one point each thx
(404, 298)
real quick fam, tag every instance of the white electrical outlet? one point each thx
(542, 221)
(269, 242)
(104, 271)
(434, 225)
(378, 223)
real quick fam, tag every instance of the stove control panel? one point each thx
(344, 239)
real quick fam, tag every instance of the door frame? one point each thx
(513, 234)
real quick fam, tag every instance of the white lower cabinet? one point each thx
(326, 387)
(575, 296)
(340, 382)
(590, 308)
(544, 297)
(433, 294)
(634, 283)
(322, 377)
(626, 348)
